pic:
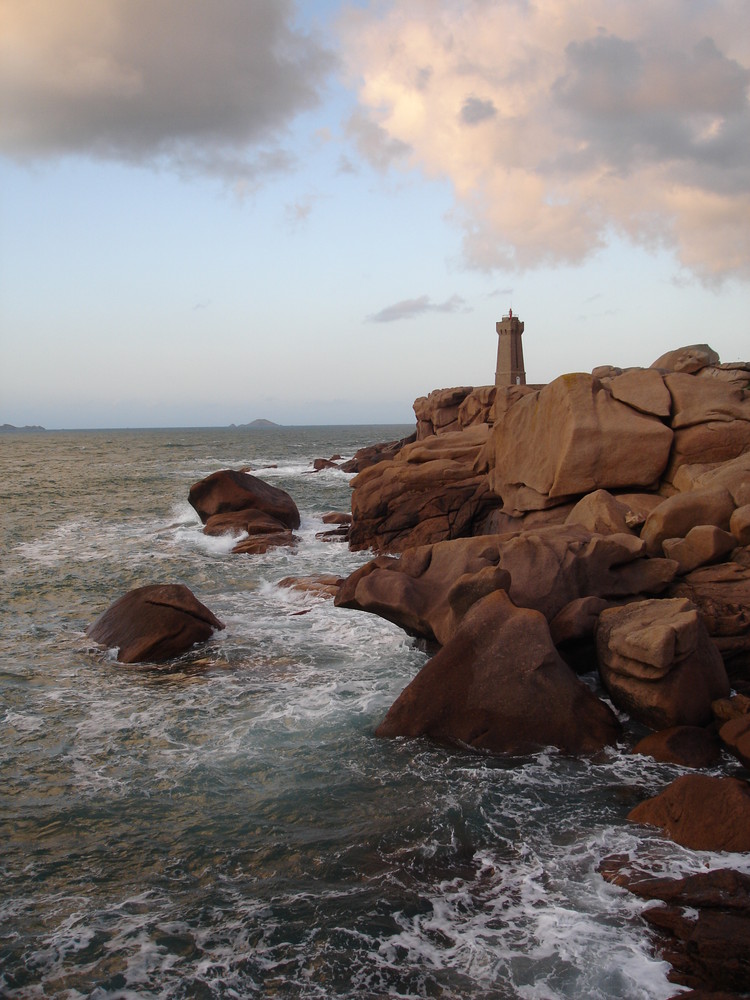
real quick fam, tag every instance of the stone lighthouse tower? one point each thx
(510, 369)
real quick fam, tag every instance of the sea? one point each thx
(229, 826)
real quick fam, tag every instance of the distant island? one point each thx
(260, 422)
(12, 429)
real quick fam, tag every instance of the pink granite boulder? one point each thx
(659, 664)
(701, 812)
(154, 624)
(499, 685)
(688, 746)
(229, 490)
(570, 438)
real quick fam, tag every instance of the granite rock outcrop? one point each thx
(570, 438)
(658, 663)
(599, 524)
(701, 811)
(428, 492)
(616, 497)
(430, 587)
(687, 746)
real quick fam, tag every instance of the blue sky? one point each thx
(314, 213)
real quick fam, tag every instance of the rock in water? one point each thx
(701, 812)
(229, 490)
(735, 734)
(154, 624)
(500, 685)
(706, 922)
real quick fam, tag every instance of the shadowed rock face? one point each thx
(428, 492)
(499, 685)
(429, 589)
(688, 746)
(229, 490)
(735, 734)
(154, 624)
(722, 594)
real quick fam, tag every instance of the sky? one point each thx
(213, 211)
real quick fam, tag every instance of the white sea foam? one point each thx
(23, 722)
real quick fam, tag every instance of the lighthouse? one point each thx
(510, 369)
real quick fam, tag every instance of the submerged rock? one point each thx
(258, 544)
(154, 624)
(324, 585)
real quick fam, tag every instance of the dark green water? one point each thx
(233, 829)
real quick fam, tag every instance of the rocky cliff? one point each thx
(614, 505)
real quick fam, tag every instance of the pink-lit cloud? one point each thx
(559, 123)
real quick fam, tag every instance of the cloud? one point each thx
(203, 87)
(411, 308)
(374, 143)
(559, 124)
(475, 110)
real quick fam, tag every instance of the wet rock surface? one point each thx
(703, 928)
(229, 490)
(688, 746)
(230, 502)
(702, 812)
